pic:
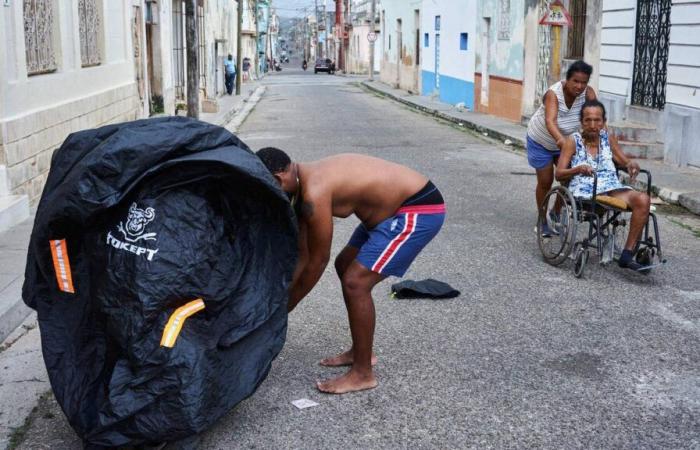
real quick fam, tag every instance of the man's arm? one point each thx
(318, 217)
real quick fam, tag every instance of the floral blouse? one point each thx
(581, 186)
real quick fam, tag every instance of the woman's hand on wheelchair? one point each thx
(585, 170)
(633, 170)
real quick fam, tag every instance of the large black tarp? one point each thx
(153, 215)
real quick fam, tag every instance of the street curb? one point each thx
(228, 117)
(237, 118)
(489, 132)
(688, 200)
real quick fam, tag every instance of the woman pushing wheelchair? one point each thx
(593, 152)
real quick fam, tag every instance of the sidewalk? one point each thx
(23, 377)
(674, 185)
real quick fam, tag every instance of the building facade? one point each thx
(64, 67)
(401, 50)
(359, 50)
(650, 76)
(448, 30)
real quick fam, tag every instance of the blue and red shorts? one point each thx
(390, 247)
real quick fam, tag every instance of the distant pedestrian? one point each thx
(246, 69)
(558, 117)
(230, 70)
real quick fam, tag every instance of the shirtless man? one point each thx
(400, 211)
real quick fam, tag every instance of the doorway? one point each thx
(485, 56)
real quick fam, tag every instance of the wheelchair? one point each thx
(606, 218)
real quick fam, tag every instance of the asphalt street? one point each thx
(527, 357)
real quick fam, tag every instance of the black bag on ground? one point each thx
(423, 289)
(159, 264)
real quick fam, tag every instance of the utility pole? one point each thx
(328, 29)
(256, 59)
(192, 60)
(318, 33)
(372, 12)
(239, 47)
(339, 27)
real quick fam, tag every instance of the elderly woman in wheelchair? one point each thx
(590, 165)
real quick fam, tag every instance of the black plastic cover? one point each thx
(155, 214)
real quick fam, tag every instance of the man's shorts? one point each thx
(538, 156)
(390, 247)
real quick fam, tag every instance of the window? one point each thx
(89, 25)
(577, 31)
(39, 36)
(463, 41)
(426, 40)
(504, 20)
(437, 23)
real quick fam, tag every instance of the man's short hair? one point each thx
(274, 159)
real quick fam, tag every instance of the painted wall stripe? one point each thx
(61, 265)
(177, 320)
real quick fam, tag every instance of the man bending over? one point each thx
(400, 211)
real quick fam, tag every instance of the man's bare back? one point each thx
(400, 210)
(371, 188)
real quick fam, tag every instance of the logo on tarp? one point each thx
(136, 223)
(135, 231)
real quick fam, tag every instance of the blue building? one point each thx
(447, 38)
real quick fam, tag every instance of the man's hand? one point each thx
(633, 170)
(585, 170)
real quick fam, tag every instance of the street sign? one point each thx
(371, 36)
(556, 15)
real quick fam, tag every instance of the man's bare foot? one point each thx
(350, 382)
(343, 359)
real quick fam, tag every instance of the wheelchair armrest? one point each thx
(641, 171)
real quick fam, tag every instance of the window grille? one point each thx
(179, 49)
(38, 36)
(577, 32)
(201, 49)
(89, 27)
(504, 20)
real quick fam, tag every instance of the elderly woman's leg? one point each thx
(639, 203)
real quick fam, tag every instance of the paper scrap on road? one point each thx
(304, 403)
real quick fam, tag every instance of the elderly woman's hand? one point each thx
(633, 170)
(585, 170)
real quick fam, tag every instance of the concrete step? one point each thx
(646, 150)
(627, 130)
(13, 311)
(641, 114)
(3, 182)
(13, 210)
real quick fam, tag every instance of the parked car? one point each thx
(324, 65)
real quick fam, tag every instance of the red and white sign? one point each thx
(556, 15)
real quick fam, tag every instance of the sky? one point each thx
(295, 8)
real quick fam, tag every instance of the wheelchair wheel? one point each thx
(580, 261)
(556, 225)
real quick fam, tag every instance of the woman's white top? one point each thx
(568, 119)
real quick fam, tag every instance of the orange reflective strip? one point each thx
(177, 320)
(61, 265)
